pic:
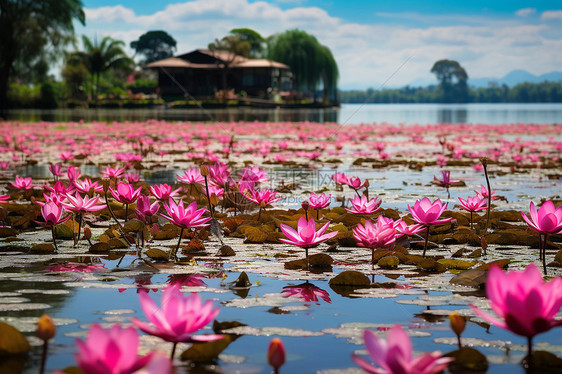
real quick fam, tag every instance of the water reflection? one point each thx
(306, 292)
(347, 114)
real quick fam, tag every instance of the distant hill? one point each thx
(515, 77)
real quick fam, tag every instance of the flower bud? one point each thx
(458, 323)
(204, 170)
(45, 328)
(305, 204)
(276, 353)
(87, 233)
(105, 183)
(484, 161)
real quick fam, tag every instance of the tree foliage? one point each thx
(311, 63)
(154, 45)
(100, 57)
(257, 42)
(452, 80)
(32, 34)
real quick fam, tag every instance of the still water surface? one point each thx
(347, 114)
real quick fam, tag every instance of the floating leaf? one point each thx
(350, 278)
(100, 247)
(467, 359)
(388, 262)
(63, 232)
(242, 281)
(456, 264)
(157, 254)
(206, 352)
(43, 248)
(12, 342)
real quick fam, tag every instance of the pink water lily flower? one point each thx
(548, 219)
(402, 228)
(52, 214)
(145, 210)
(524, 302)
(56, 170)
(125, 193)
(306, 236)
(262, 197)
(191, 176)
(319, 201)
(483, 193)
(363, 205)
(60, 189)
(355, 183)
(473, 204)
(339, 178)
(377, 235)
(87, 185)
(253, 174)
(73, 172)
(163, 191)
(115, 351)
(112, 173)
(185, 217)
(178, 317)
(445, 180)
(77, 203)
(23, 183)
(427, 213)
(394, 355)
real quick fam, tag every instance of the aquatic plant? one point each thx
(45, 331)
(177, 318)
(163, 192)
(306, 236)
(126, 194)
(115, 351)
(374, 236)
(394, 355)
(52, 214)
(445, 181)
(319, 201)
(473, 204)
(364, 205)
(548, 220)
(524, 302)
(427, 213)
(80, 205)
(276, 354)
(184, 217)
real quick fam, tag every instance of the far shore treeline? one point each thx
(99, 73)
(544, 92)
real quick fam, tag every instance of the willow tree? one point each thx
(33, 31)
(311, 63)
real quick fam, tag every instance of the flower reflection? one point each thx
(306, 292)
(75, 267)
(143, 283)
(187, 280)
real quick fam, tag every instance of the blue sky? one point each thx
(373, 42)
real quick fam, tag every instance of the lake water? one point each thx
(347, 114)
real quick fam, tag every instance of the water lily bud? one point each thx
(276, 353)
(305, 204)
(105, 183)
(204, 170)
(366, 184)
(484, 161)
(458, 323)
(214, 199)
(87, 233)
(45, 328)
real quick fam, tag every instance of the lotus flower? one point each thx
(319, 201)
(163, 191)
(526, 304)
(404, 229)
(145, 210)
(79, 204)
(178, 316)
(355, 183)
(73, 173)
(23, 183)
(191, 176)
(548, 220)
(86, 186)
(112, 173)
(125, 193)
(473, 204)
(52, 213)
(184, 217)
(339, 178)
(306, 236)
(395, 355)
(374, 236)
(363, 205)
(427, 213)
(60, 189)
(253, 174)
(114, 351)
(483, 193)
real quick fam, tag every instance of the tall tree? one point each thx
(452, 80)
(154, 45)
(257, 42)
(28, 28)
(311, 63)
(236, 46)
(99, 57)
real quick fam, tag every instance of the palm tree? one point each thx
(103, 56)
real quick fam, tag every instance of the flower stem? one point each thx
(530, 354)
(116, 220)
(373, 258)
(44, 356)
(317, 214)
(484, 164)
(54, 238)
(177, 246)
(259, 214)
(208, 197)
(126, 212)
(471, 219)
(544, 252)
(173, 351)
(426, 239)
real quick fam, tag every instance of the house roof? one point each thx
(206, 59)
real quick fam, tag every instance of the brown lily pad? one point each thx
(388, 262)
(475, 278)
(43, 248)
(350, 278)
(100, 247)
(12, 342)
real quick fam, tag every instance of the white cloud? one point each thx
(367, 54)
(552, 15)
(525, 12)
